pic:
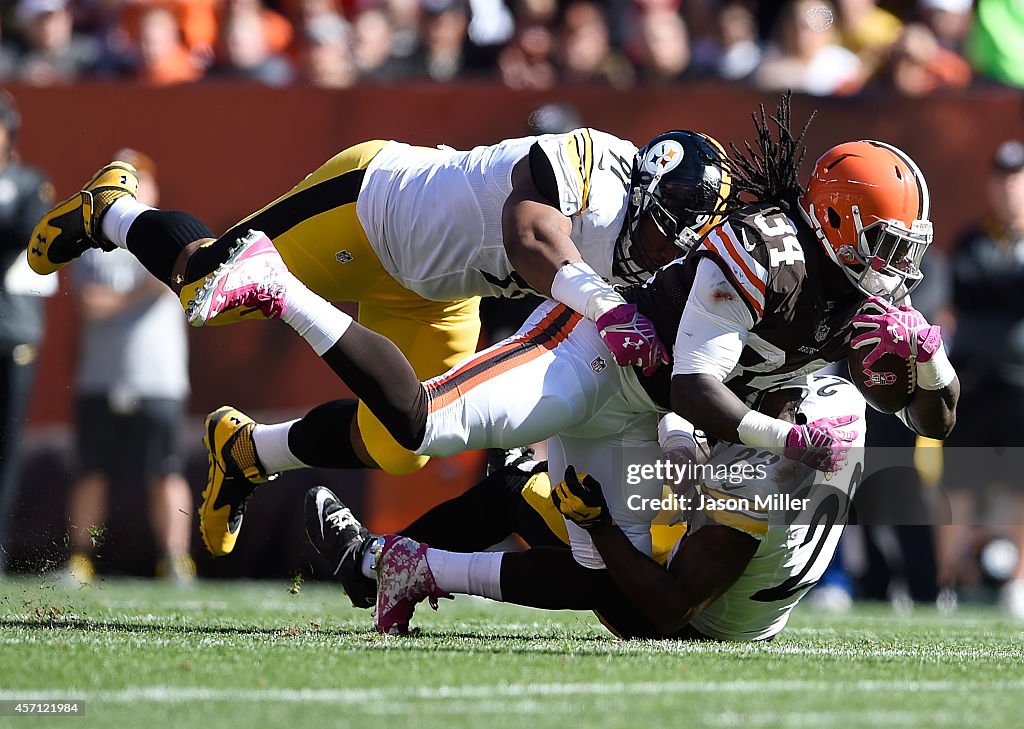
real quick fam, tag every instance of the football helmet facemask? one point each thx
(868, 204)
(679, 180)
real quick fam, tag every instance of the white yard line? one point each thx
(529, 691)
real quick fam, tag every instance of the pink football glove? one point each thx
(823, 444)
(903, 332)
(630, 337)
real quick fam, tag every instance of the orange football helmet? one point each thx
(868, 204)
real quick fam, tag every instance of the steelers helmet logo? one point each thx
(663, 157)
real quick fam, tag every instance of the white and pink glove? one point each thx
(631, 338)
(823, 444)
(901, 331)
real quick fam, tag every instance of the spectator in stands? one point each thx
(25, 195)
(405, 24)
(738, 51)
(806, 55)
(949, 20)
(163, 57)
(917, 65)
(131, 385)
(586, 52)
(988, 352)
(276, 30)
(373, 40)
(527, 61)
(868, 30)
(995, 44)
(8, 57)
(702, 19)
(246, 53)
(53, 53)
(664, 47)
(445, 23)
(327, 55)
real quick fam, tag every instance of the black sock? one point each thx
(481, 517)
(323, 437)
(552, 579)
(157, 237)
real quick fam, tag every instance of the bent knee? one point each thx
(395, 460)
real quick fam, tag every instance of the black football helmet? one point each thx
(679, 178)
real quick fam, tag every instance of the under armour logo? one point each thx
(627, 342)
(235, 420)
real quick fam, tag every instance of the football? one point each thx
(888, 384)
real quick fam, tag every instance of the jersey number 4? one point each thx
(783, 247)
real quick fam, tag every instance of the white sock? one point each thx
(272, 447)
(477, 573)
(119, 218)
(315, 319)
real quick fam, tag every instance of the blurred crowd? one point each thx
(823, 47)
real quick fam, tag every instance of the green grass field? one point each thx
(142, 654)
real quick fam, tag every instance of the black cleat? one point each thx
(342, 540)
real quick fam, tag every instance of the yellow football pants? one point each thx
(320, 238)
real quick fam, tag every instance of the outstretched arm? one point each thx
(707, 563)
(535, 233)
(712, 332)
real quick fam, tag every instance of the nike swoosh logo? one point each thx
(321, 498)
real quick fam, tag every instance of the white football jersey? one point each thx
(433, 216)
(794, 552)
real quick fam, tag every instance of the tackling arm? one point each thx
(535, 234)
(708, 562)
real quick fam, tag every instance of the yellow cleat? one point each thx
(80, 569)
(73, 226)
(178, 569)
(234, 473)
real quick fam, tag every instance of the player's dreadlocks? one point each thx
(770, 173)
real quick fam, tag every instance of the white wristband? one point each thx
(762, 431)
(579, 287)
(936, 373)
(676, 432)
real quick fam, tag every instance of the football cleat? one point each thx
(234, 473)
(248, 285)
(73, 226)
(79, 570)
(403, 580)
(342, 541)
(176, 569)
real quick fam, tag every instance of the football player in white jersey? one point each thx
(732, 566)
(414, 235)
